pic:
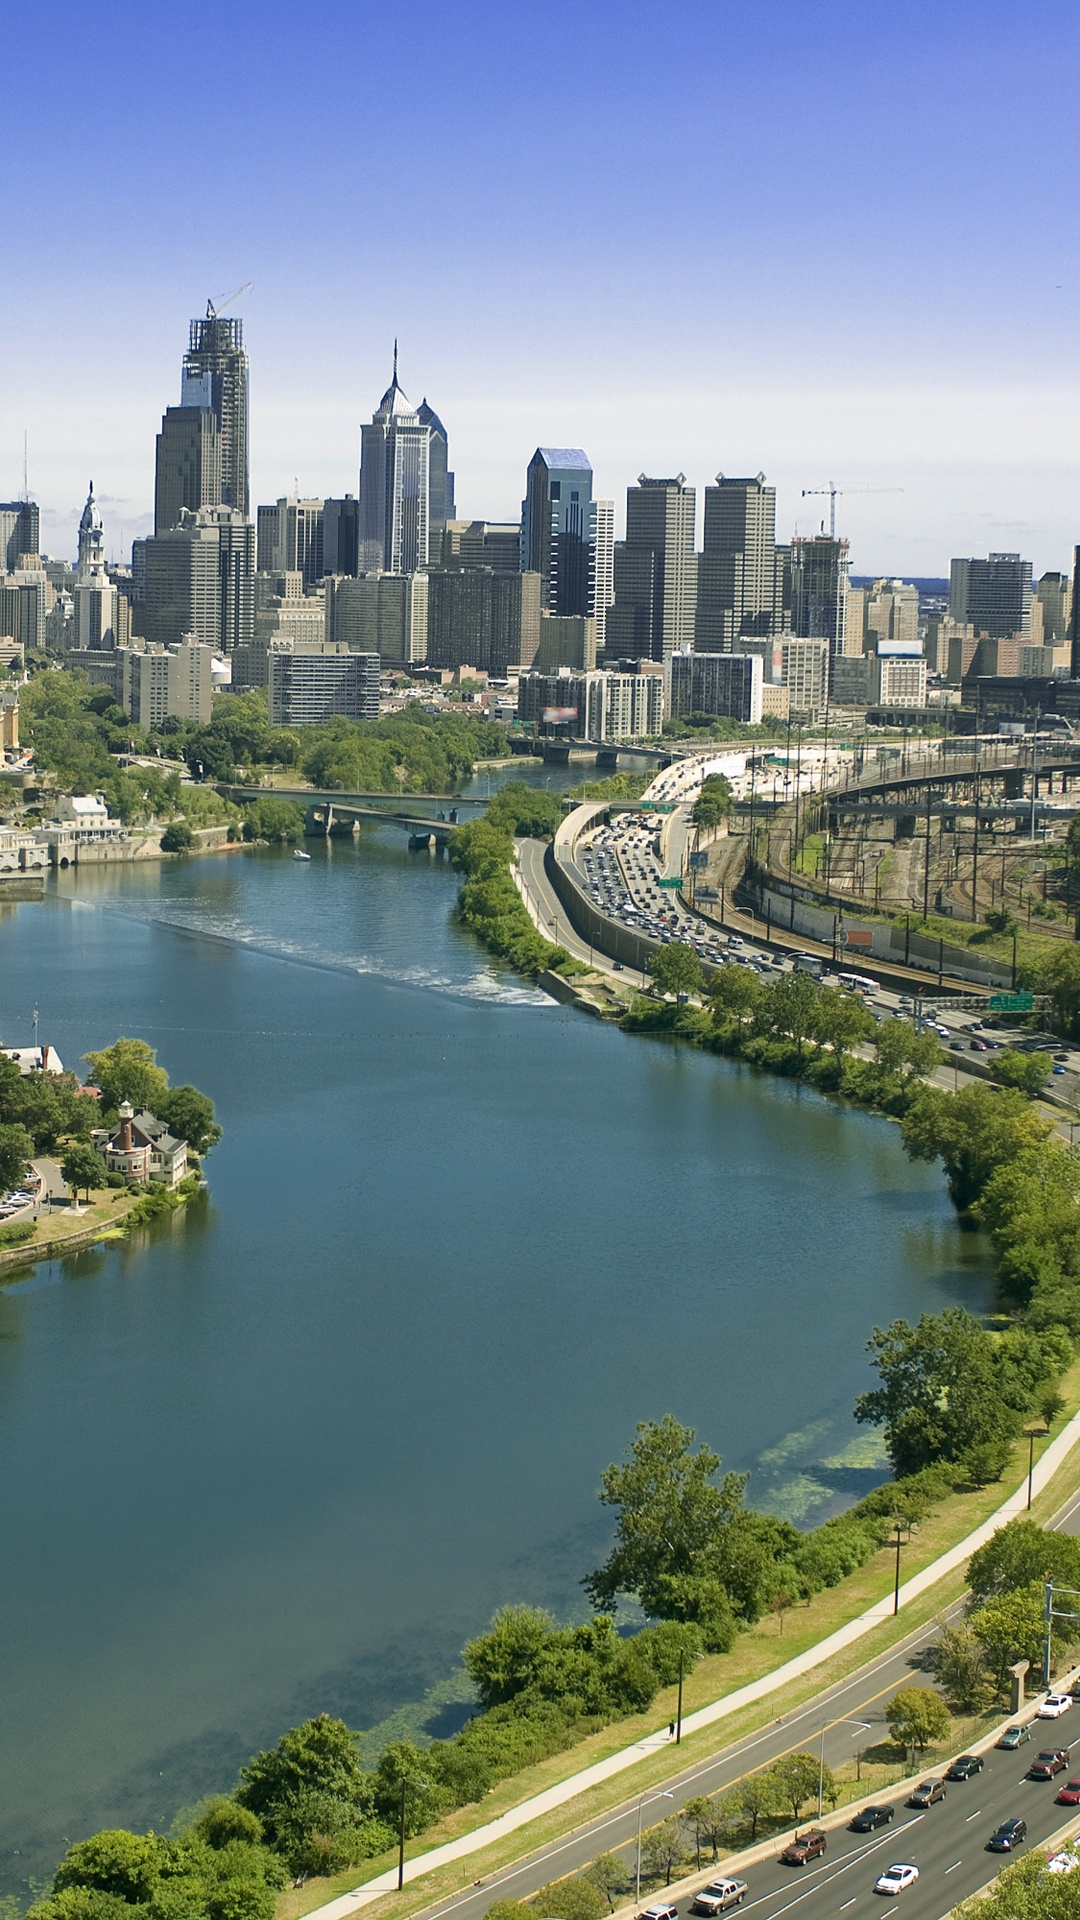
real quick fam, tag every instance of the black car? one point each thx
(869, 1818)
(1008, 1837)
(964, 1768)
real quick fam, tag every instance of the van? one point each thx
(808, 963)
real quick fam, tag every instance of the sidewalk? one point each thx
(774, 1682)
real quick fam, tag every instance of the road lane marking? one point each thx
(972, 1816)
(849, 1903)
(853, 1859)
(955, 1864)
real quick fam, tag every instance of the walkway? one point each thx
(728, 1704)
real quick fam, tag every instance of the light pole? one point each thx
(899, 1527)
(659, 1796)
(863, 1726)
(678, 1710)
(1035, 1431)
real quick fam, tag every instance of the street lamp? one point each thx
(1036, 1430)
(659, 1796)
(862, 1726)
(899, 1527)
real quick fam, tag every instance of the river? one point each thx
(288, 1451)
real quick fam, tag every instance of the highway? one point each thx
(947, 1843)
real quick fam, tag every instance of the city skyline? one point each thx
(874, 292)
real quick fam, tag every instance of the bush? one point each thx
(17, 1236)
(569, 1900)
(177, 837)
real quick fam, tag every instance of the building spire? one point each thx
(394, 382)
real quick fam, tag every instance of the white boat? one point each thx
(299, 854)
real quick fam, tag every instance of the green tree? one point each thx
(1018, 1555)
(904, 1054)
(754, 1799)
(573, 1899)
(128, 1070)
(841, 1021)
(1012, 1627)
(222, 1820)
(939, 1392)
(114, 1861)
(713, 803)
(83, 1169)
(608, 1872)
(321, 1757)
(189, 1115)
(959, 1663)
(973, 1132)
(1060, 978)
(16, 1150)
(917, 1718)
(677, 969)
(1025, 1891)
(80, 1903)
(708, 1817)
(985, 1460)
(789, 1006)
(735, 994)
(1028, 1071)
(670, 1515)
(503, 1661)
(510, 1910)
(403, 1785)
(663, 1850)
(796, 1778)
(177, 837)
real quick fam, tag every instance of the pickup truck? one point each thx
(718, 1896)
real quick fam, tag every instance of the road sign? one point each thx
(856, 937)
(700, 859)
(669, 883)
(1011, 1002)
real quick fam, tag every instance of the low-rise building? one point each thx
(141, 1148)
(594, 706)
(34, 1059)
(22, 851)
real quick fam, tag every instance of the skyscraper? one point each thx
(440, 480)
(655, 573)
(602, 577)
(200, 580)
(556, 523)
(215, 375)
(994, 595)
(395, 486)
(818, 574)
(19, 533)
(290, 538)
(740, 580)
(187, 470)
(341, 535)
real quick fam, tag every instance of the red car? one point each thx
(1069, 1795)
(1050, 1761)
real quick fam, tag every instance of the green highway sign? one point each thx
(1009, 1002)
(669, 883)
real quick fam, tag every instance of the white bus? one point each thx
(859, 983)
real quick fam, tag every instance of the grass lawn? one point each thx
(106, 1210)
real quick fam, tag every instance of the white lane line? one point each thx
(972, 1816)
(849, 1903)
(955, 1864)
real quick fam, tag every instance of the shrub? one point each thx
(177, 837)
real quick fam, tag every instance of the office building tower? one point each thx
(20, 535)
(383, 613)
(566, 640)
(804, 671)
(200, 581)
(655, 573)
(23, 608)
(96, 618)
(480, 618)
(440, 479)
(602, 561)
(483, 543)
(740, 580)
(289, 537)
(556, 524)
(993, 595)
(890, 611)
(395, 486)
(726, 684)
(593, 706)
(899, 674)
(308, 688)
(818, 570)
(174, 683)
(1054, 595)
(215, 375)
(236, 574)
(341, 535)
(187, 470)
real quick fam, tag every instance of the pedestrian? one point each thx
(671, 1731)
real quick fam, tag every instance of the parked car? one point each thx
(804, 1847)
(1014, 1737)
(1050, 1761)
(895, 1879)
(926, 1793)
(1054, 1706)
(967, 1765)
(1069, 1794)
(871, 1817)
(661, 1911)
(718, 1896)
(1063, 1862)
(1007, 1837)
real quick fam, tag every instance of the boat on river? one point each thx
(299, 854)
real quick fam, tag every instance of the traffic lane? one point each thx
(858, 1697)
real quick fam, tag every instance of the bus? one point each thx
(859, 983)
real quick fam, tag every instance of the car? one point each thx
(926, 1793)
(1054, 1706)
(1059, 1069)
(1007, 1837)
(964, 1768)
(895, 1879)
(617, 966)
(871, 1817)
(956, 1046)
(1050, 1761)
(804, 1847)
(1063, 1862)
(1014, 1737)
(1063, 1057)
(979, 1046)
(661, 1911)
(1069, 1794)
(718, 1896)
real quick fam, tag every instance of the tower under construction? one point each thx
(215, 375)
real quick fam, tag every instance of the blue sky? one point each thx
(830, 243)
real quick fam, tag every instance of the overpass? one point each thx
(332, 819)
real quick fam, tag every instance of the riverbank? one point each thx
(110, 1217)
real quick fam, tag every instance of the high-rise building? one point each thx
(602, 577)
(480, 618)
(1054, 594)
(395, 486)
(215, 375)
(96, 601)
(891, 611)
(604, 706)
(993, 595)
(200, 581)
(817, 571)
(187, 471)
(20, 536)
(726, 684)
(168, 683)
(556, 526)
(383, 613)
(740, 579)
(804, 671)
(308, 688)
(341, 535)
(483, 543)
(655, 573)
(290, 538)
(440, 479)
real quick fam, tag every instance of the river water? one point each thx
(288, 1451)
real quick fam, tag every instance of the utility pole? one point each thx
(926, 870)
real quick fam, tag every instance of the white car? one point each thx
(1063, 1862)
(1054, 1706)
(895, 1879)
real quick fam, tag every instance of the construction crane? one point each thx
(212, 309)
(832, 490)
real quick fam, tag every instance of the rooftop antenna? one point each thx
(395, 363)
(25, 488)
